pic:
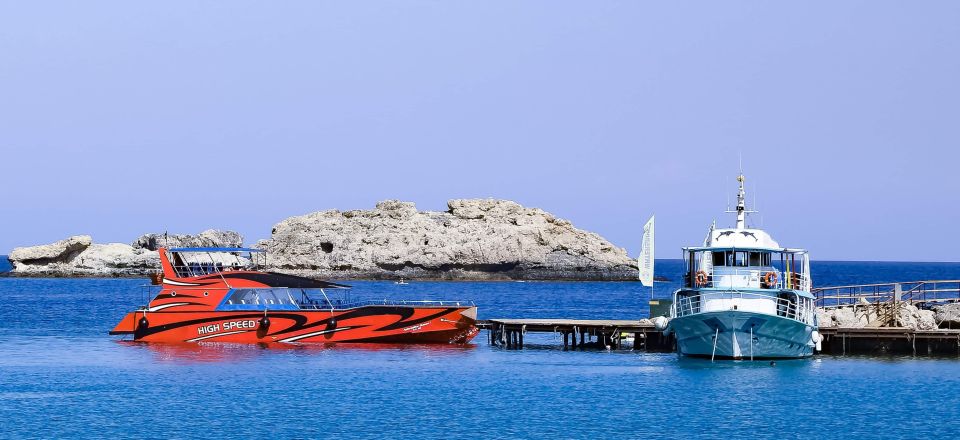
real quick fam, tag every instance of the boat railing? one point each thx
(338, 305)
(201, 269)
(914, 292)
(726, 278)
(797, 308)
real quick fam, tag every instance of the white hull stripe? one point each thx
(161, 307)
(178, 283)
(299, 337)
(214, 336)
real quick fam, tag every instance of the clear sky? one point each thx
(119, 118)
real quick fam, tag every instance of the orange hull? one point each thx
(210, 301)
(384, 324)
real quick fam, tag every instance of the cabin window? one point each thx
(755, 259)
(718, 259)
(259, 299)
(741, 259)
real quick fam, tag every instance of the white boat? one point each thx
(744, 296)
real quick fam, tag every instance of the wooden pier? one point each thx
(578, 333)
(603, 334)
(889, 340)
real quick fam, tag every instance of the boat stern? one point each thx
(126, 326)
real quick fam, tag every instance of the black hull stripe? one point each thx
(300, 321)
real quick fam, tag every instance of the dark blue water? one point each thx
(4, 264)
(61, 375)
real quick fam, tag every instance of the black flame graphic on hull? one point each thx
(300, 321)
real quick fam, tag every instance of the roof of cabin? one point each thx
(214, 249)
(741, 238)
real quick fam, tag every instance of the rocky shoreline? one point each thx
(904, 314)
(475, 239)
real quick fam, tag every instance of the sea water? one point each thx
(61, 375)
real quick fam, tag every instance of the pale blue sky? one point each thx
(118, 118)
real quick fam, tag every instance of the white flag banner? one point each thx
(645, 262)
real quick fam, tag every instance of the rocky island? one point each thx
(474, 239)
(79, 256)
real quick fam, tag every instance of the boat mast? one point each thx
(741, 210)
(741, 204)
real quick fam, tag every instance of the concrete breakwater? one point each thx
(474, 239)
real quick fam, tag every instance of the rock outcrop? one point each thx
(878, 315)
(947, 315)
(475, 239)
(79, 256)
(208, 238)
(52, 253)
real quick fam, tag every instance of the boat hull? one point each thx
(772, 337)
(377, 324)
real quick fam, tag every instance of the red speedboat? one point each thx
(219, 294)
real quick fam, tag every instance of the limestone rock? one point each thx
(474, 239)
(79, 256)
(908, 315)
(60, 251)
(841, 317)
(208, 238)
(877, 315)
(948, 315)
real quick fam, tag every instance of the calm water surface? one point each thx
(61, 375)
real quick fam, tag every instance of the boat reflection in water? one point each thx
(215, 352)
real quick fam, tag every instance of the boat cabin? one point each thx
(738, 268)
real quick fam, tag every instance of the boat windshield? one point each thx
(192, 262)
(282, 298)
(747, 268)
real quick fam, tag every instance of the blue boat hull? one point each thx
(742, 335)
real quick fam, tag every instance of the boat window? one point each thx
(755, 259)
(243, 296)
(741, 259)
(718, 259)
(259, 299)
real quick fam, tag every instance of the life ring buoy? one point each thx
(770, 279)
(702, 278)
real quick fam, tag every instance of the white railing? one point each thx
(200, 269)
(759, 278)
(340, 305)
(917, 292)
(798, 308)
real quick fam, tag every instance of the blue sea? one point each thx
(62, 376)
